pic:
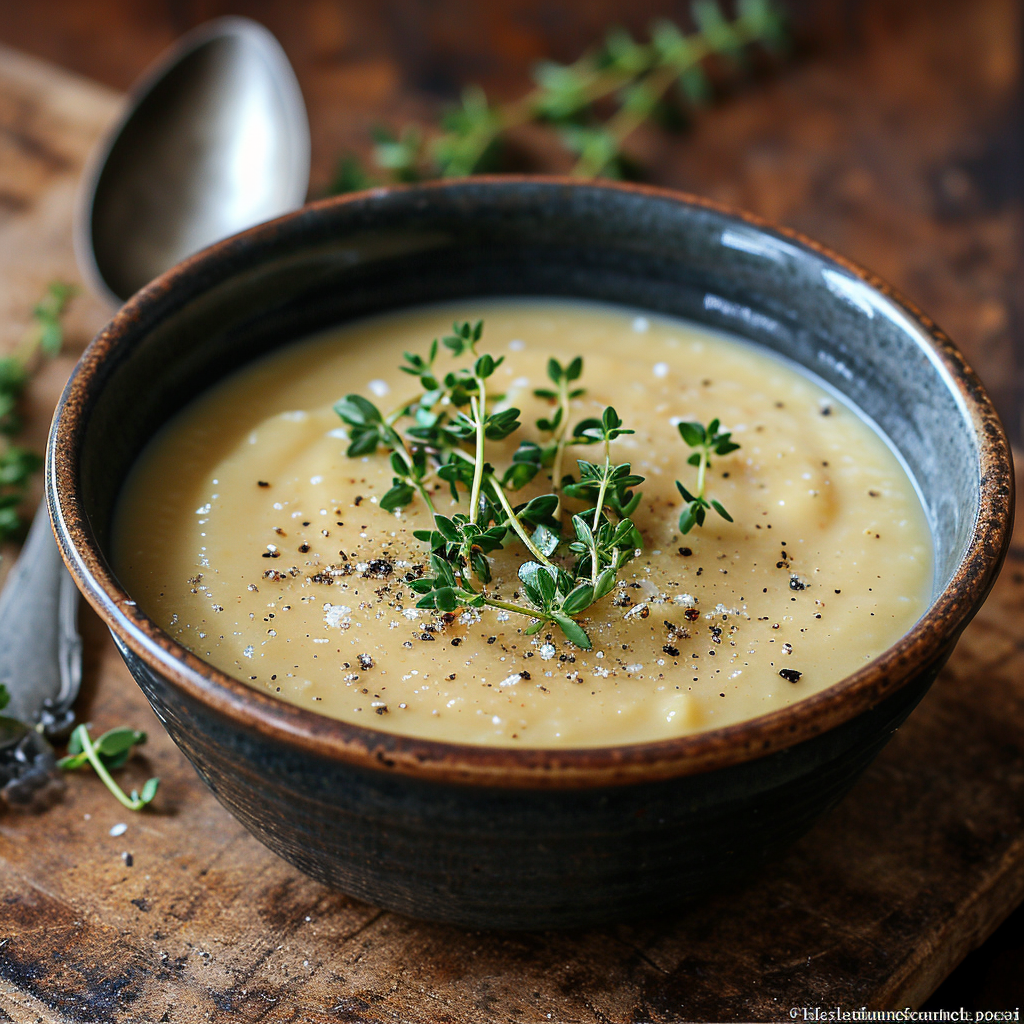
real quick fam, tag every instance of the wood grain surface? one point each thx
(881, 152)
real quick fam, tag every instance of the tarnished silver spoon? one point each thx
(214, 138)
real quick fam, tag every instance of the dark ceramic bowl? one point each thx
(529, 838)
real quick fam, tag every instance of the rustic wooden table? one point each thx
(876, 150)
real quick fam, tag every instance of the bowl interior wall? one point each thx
(394, 250)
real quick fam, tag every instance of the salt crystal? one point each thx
(334, 614)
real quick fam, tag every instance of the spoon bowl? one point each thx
(214, 139)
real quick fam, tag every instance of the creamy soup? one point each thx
(248, 534)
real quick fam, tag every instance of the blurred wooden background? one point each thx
(892, 133)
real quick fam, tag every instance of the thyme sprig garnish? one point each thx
(442, 434)
(105, 754)
(43, 340)
(639, 79)
(706, 439)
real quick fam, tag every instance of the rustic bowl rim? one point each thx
(926, 644)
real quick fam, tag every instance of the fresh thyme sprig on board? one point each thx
(706, 440)
(17, 464)
(28, 760)
(105, 754)
(442, 435)
(638, 79)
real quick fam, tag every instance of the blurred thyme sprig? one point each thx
(638, 78)
(42, 341)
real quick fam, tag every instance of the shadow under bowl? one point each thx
(528, 838)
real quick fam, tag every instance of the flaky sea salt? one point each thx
(335, 614)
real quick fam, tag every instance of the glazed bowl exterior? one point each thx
(528, 838)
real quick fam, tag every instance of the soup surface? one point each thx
(248, 534)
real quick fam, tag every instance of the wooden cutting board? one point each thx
(185, 918)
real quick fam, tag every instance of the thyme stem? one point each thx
(474, 498)
(702, 471)
(556, 466)
(510, 607)
(516, 524)
(604, 485)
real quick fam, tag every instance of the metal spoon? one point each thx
(214, 138)
(40, 649)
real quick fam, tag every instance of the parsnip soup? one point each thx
(251, 536)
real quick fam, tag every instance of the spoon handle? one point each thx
(40, 648)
